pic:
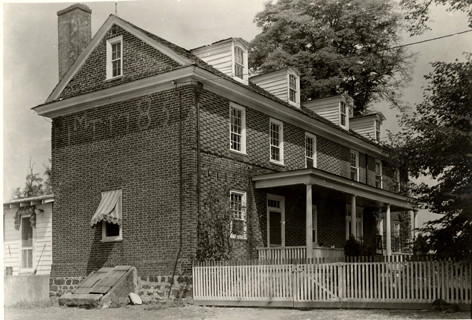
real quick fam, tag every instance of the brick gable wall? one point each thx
(136, 151)
(140, 60)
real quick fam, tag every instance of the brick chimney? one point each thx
(75, 31)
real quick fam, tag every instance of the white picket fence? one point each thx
(365, 282)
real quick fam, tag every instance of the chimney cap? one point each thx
(75, 6)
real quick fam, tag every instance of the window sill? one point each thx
(111, 240)
(241, 153)
(280, 164)
(114, 78)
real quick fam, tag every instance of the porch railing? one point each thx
(278, 253)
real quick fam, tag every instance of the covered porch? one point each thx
(328, 207)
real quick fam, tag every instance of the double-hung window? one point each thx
(26, 243)
(377, 130)
(239, 62)
(292, 91)
(237, 128)
(310, 150)
(354, 165)
(238, 212)
(378, 174)
(343, 114)
(115, 57)
(276, 141)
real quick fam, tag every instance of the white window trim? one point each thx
(380, 173)
(243, 128)
(281, 199)
(357, 163)
(377, 133)
(295, 103)
(27, 270)
(346, 126)
(281, 141)
(244, 212)
(360, 231)
(110, 42)
(315, 153)
(245, 67)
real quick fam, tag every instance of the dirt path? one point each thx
(213, 313)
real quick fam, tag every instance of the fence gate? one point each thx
(400, 284)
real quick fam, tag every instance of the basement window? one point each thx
(115, 57)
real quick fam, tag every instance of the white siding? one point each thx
(275, 83)
(42, 239)
(364, 126)
(327, 108)
(218, 56)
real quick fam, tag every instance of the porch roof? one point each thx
(313, 176)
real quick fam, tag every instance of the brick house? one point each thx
(143, 130)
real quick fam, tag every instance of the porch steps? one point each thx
(108, 287)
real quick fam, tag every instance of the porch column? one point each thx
(353, 216)
(309, 222)
(414, 221)
(389, 231)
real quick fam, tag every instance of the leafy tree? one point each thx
(33, 184)
(48, 181)
(437, 142)
(338, 46)
(417, 12)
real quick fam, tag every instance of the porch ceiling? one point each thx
(329, 181)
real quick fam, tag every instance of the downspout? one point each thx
(197, 89)
(180, 193)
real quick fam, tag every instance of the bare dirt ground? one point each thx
(144, 312)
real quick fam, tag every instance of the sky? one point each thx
(30, 70)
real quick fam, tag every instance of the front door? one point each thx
(275, 220)
(275, 229)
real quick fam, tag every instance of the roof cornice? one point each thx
(115, 94)
(229, 89)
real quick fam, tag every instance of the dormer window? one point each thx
(239, 62)
(292, 88)
(377, 130)
(115, 57)
(343, 114)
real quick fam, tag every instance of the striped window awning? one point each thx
(109, 208)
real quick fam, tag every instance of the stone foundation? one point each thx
(150, 288)
(61, 285)
(156, 288)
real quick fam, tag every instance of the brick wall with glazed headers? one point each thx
(134, 146)
(140, 60)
